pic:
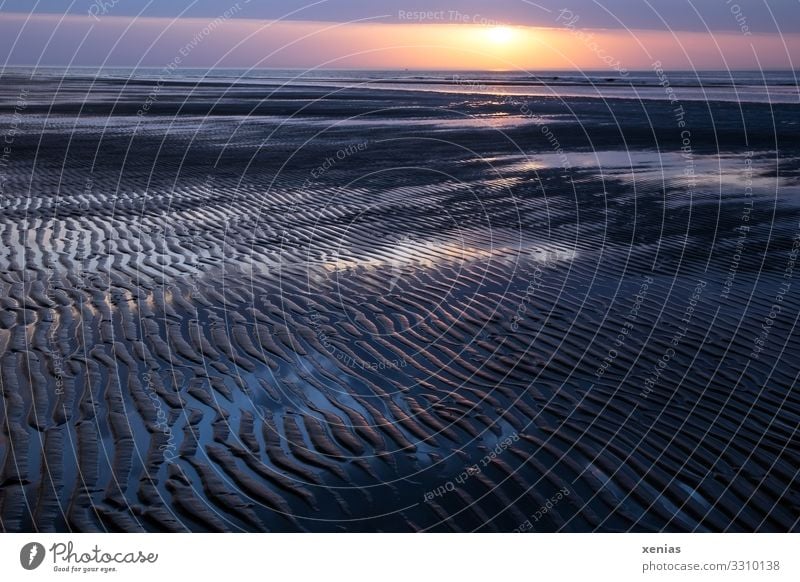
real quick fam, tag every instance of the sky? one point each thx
(613, 35)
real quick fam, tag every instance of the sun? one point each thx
(501, 34)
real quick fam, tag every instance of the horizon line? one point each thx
(605, 72)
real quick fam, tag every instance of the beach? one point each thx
(398, 302)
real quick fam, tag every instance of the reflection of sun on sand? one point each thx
(429, 253)
(415, 253)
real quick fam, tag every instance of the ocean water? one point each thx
(745, 86)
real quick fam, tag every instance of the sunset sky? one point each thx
(414, 34)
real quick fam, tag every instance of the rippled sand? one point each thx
(393, 311)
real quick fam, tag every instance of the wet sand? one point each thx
(377, 310)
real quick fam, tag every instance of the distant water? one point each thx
(744, 86)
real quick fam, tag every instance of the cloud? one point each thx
(681, 15)
(226, 39)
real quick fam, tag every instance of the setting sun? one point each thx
(501, 34)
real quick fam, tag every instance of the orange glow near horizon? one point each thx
(305, 44)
